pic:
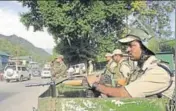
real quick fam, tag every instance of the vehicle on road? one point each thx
(35, 72)
(16, 72)
(34, 69)
(46, 73)
(79, 68)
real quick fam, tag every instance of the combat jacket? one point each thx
(151, 79)
(110, 67)
(122, 69)
(59, 70)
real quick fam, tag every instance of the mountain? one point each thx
(35, 52)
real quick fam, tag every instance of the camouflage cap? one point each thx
(108, 55)
(60, 56)
(135, 34)
(117, 51)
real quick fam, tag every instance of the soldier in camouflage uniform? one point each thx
(58, 68)
(110, 65)
(122, 70)
(152, 78)
(52, 66)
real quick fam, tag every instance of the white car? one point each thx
(46, 73)
(16, 72)
(79, 68)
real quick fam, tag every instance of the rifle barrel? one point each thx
(52, 82)
(38, 84)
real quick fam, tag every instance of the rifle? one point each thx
(53, 84)
(74, 82)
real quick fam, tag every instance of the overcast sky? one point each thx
(10, 24)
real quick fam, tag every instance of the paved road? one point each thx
(14, 96)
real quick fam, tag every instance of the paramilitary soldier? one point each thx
(122, 70)
(110, 65)
(109, 73)
(153, 78)
(59, 68)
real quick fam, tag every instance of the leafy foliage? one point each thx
(87, 29)
(157, 23)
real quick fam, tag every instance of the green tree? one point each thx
(159, 19)
(156, 21)
(167, 45)
(86, 29)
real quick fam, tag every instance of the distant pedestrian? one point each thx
(90, 67)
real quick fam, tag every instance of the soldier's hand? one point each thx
(92, 79)
(122, 82)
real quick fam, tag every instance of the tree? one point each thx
(80, 24)
(156, 21)
(87, 29)
(167, 45)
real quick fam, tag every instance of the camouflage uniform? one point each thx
(110, 68)
(152, 77)
(109, 71)
(59, 70)
(52, 67)
(122, 70)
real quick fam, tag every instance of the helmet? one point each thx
(137, 34)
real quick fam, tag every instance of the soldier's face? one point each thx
(116, 58)
(59, 59)
(108, 58)
(134, 50)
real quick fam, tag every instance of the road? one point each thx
(14, 96)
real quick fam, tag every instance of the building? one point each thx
(22, 59)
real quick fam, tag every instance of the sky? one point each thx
(10, 24)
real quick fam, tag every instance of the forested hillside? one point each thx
(18, 46)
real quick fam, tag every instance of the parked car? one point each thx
(79, 68)
(16, 72)
(35, 72)
(46, 73)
